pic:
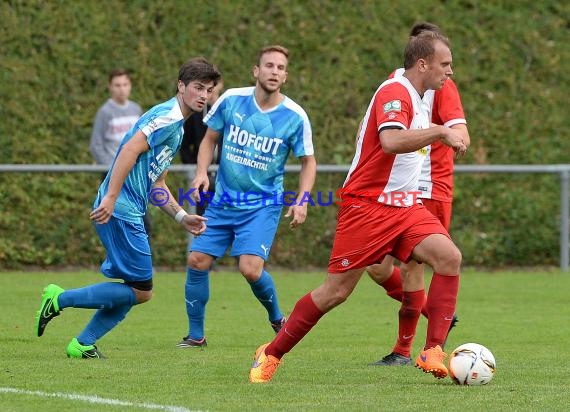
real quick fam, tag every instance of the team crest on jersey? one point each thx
(393, 106)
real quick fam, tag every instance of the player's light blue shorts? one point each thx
(249, 231)
(128, 250)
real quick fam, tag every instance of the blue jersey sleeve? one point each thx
(160, 122)
(214, 119)
(302, 136)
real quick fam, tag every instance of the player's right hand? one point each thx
(201, 183)
(104, 212)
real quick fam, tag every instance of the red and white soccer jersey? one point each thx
(374, 175)
(369, 226)
(436, 179)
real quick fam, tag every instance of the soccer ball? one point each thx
(472, 364)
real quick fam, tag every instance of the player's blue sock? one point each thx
(102, 322)
(197, 295)
(264, 290)
(100, 296)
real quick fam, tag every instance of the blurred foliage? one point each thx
(510, 62)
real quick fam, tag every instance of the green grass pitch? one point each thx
(523, 318)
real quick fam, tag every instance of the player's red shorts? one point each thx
(366, 232)
(441, 210)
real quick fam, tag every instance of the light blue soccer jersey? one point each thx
(255, 147)
(163, 127)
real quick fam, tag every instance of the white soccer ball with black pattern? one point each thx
(472, 364)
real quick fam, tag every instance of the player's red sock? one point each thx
(424, 307)
(441, 301)
(393, 285)
(409, 315)
(305, 315)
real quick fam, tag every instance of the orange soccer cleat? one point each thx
(431, 361)
(263, 367)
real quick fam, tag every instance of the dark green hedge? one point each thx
(509, 64)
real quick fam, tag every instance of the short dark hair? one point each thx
(422, 47)
(424, 26)
(272, 48)
(198, 68)
(119, 71)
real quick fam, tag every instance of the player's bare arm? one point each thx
(306, 182)
(397, 141)
(192, 223)
(123, 165)
(171, 208)
(205, 157)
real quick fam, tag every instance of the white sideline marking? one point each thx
(93, 399)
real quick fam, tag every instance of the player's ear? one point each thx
(422, 65)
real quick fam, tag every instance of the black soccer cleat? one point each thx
(188, 342)
(277, 325)
(393, 359)
(451, 326)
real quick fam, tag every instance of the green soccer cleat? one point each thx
(79, 351)
(49, 308)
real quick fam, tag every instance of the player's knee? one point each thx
(378, 273)
(330, 300)
(249, 274)
(339, 294)
(451, 260)
(250, 268)
(455, 257)
(331, 294)
(143, 296)
(198, 261)
(142, 290)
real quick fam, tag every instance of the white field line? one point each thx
(93, 399)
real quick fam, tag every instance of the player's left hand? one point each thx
(460, 151)
(453, 139)
(194, 224)
(299, 213)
